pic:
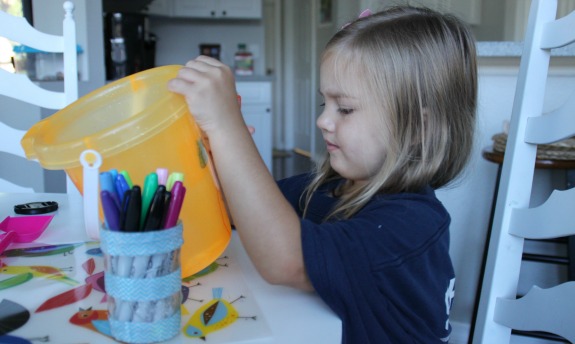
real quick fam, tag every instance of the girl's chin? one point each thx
(336, 164)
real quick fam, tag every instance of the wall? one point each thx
(48, 15)
(475, 12)
(492, 21)
(178, 39)
(517, 12)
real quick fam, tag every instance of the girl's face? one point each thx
(349, 126)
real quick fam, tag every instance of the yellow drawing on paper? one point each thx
(213, 316)
(39, 271)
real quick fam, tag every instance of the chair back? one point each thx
(549, 310)
(21, 88)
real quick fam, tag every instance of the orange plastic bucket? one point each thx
(137, 125)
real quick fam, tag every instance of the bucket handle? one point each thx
(91, 161)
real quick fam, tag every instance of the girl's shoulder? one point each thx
(406, 202)
(388, 219)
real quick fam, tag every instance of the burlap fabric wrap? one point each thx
(562, 150)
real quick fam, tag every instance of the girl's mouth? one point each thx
(330, 146)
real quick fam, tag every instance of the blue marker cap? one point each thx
(107, 183)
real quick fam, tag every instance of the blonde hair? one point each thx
(419, 70)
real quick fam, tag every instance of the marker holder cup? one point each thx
(143, 282)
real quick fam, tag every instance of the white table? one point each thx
(293, 316)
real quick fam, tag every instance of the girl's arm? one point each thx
(268, 226)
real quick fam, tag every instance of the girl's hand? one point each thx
(208, 86)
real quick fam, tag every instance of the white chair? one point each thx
(19, 86)
(549, 310)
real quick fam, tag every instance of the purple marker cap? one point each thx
(111, 211)
(178, 194)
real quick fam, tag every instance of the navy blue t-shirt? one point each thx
(386, 272)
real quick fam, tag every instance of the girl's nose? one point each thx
(324, 123)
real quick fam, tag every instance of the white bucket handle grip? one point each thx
(91, 161)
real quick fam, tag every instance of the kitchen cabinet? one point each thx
(217, 9)
(161, 8)
(257, 110)
(245, 9)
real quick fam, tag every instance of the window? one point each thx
(21, 8)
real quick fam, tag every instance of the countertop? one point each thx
(514, 49)
(253, 78)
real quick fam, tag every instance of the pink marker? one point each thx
(162, 175)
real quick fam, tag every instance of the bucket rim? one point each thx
(41, 141)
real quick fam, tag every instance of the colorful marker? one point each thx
(111, 210)
(150, 186)
(127, 178)
(108, 183)
(173, 213)
(121, 187)
(155, 214)
(174, 176)
(162, 175)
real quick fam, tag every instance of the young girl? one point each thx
(365, 230)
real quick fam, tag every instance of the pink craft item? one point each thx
(22, 229)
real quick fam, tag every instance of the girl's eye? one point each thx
(345, 111)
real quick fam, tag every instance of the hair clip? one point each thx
(365, 13)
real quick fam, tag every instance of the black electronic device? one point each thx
(35, 208)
